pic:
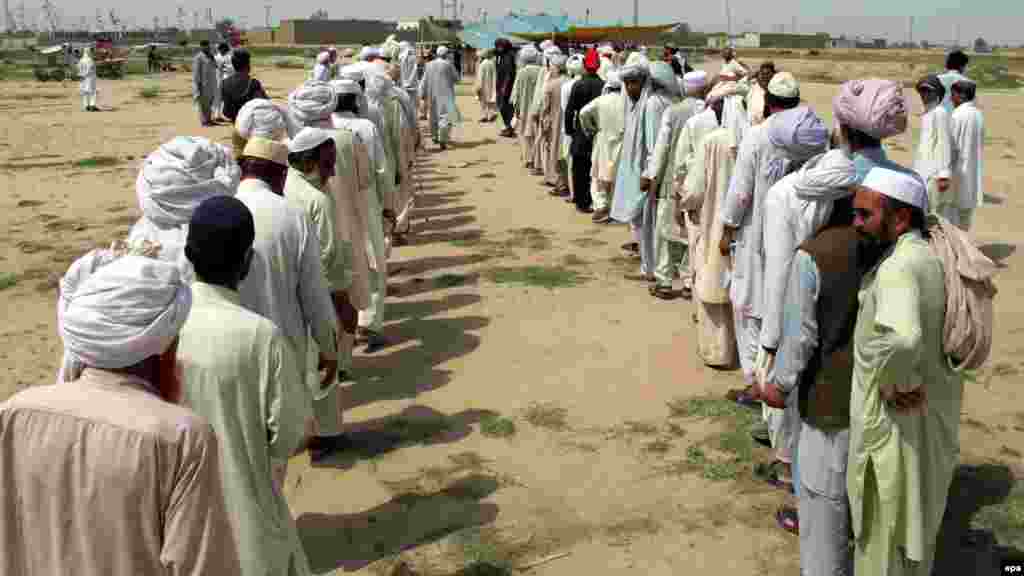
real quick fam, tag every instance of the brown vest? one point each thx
(825, 384)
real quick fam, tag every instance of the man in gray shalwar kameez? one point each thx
(204, 82)
(438, 89)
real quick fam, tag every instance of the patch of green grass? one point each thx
(495, 426)
(705, 407)
(722, 456)
(149, 92)
(548, 416)
(419, 429)
(994, 74)
(289, 63)
(484, 552)
(8, 280)
(538, 276)
(451, 280)
(96, 162)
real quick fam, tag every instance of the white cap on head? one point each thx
(308, 139)
(442, 51)
(904, 186)
(346, 86)
(784, 85)
(695, 80)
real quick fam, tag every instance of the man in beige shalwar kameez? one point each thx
(525, 85)
(102, 474)
(707, 181)
(549, 125)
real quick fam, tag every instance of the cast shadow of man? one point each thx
(961, 549)
(353, 541)
(416, 425)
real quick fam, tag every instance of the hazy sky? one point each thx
(998, 21)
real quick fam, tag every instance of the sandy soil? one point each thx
(601, 470)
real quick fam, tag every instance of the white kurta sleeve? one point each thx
(287, 405)
(740, 194)
(779, 249)
(314, 298)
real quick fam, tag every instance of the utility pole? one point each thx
(636, 12)
(910, 30)
(267, 8)
(728, 21)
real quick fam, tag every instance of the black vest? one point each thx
(825, 384)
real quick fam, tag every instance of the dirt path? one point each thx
(535, 404)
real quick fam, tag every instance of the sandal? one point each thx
(788, 519)
(631, 247)
(772, 474)
(662, 292)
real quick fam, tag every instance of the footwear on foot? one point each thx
(584, 209)
(631, 247)
(788, 519)
(321, 447)
(374, 341)
(600, 216)
(662, 292)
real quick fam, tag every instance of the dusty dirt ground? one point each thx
(508, 423)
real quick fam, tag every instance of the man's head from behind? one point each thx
(956, 60)
(888, 204)
(765, 74)
(265, 160)
(313, 153)
(782, 93)
(962, 91)
(219, 244)
(241, 60)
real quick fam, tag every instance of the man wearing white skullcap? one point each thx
(906, 401)
(172, 182)
(238, 372)
(437, 89)
(312, 156)
(604, 120)
(372, 209)
(285, 283)
(741, 212)
(111, 437)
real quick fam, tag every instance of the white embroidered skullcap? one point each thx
(904, 186)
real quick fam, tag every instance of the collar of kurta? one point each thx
(201, 291)
(110, 379)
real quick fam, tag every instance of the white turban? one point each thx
(637, 66)
(558, 61)
(614, 81)
(312, 102)
(529, 54)
(179, 175)
(606, 50)
(695, 80)
(260, 118)
(826, 177)
(353, 72)
(390, 49)
(784, 85)
(442, 51)
(115, 312)
(663, 76)
(346, 86)
(904, 186)
(308, 139)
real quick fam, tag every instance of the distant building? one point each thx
(766, 40)
(843, 43)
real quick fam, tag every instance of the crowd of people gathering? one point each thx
(207, 348)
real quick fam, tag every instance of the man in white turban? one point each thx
(604, 119)
(312, 104)
(113, 438)
(548, 52)
(87, 84)
(704, 179)
(260, 118)
(172, 182)
(485, 89)
(437, 89)
(523, 90)
(549, 127)
(238, 372)
(651, 90)
(906, 401)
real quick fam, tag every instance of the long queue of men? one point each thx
(832, 275)
(206, 349)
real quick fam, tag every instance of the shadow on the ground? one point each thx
(433, 263)
(416, 425)
(423, 223)
(959, 548)
(421, 285)
(398, 372)
(998, 251)
(470, 145)
(435, 200)
(417, 239)
(441, 212)
(353, 541)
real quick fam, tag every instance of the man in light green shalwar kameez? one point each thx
(905, 404)
(240, 374)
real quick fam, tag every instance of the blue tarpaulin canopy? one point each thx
(481, 36)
